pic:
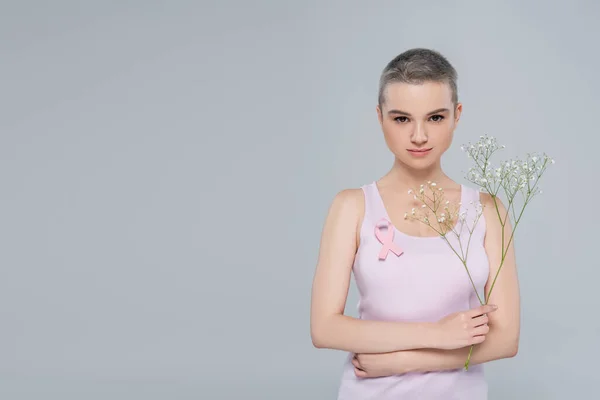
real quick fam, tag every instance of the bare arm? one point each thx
(502, 341)
(330, 328)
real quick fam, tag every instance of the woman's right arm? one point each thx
(329, 327)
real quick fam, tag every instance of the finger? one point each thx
(360, 373)
(487, 308)
(356, 363)
(477, 339)
(480, 330)
(478, 321)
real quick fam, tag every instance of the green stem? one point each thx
(505, 250)
(469, 357)
(466, 268)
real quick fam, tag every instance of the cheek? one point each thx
(445, 138)
(441, 135)
(395, 136)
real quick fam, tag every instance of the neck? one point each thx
(406, 177)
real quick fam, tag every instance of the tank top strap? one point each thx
(374, 208)
(472, 205)
(471, 195)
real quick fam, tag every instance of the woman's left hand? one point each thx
(376, 365)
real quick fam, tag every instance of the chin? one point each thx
(424, 163)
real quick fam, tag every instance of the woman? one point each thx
(418, 312)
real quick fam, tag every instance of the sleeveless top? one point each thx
(424, 283)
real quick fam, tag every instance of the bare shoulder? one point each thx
(493, 209)
(345, 214)
(347, 204)
(486, 199)
(348, 201)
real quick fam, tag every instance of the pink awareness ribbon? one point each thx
(386, 239)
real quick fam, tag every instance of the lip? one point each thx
(420, 152)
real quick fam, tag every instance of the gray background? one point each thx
(167, 166)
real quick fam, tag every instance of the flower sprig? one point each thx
(436, 212)
(513, 177)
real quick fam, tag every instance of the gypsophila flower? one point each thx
(513, 176)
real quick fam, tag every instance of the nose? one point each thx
(419, 135)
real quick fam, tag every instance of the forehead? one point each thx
(418, 98)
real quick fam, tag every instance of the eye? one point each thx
(441, 118)
(396, 119)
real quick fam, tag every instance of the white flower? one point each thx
(409, 191)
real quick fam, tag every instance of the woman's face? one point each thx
(418, 117)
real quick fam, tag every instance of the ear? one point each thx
(457, 112)
(379, 114)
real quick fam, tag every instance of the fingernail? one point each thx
(494, 306)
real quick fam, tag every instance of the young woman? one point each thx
(418, 312)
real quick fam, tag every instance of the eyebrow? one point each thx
(400, 112)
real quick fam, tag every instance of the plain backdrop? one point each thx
(166, 168)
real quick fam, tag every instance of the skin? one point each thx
(384, 348)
